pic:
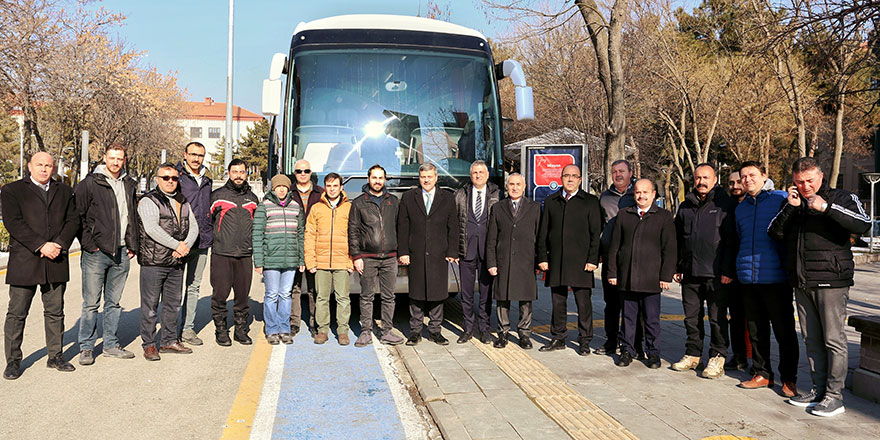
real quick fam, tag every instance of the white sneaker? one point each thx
(687, 362)
(715, 368)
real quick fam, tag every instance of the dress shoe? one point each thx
(789, 389)
(57, 362)
(606, 350)
(654, 361)
(486, 338)
(525, 343)
(12, 371)
(151, 354)
(176, 347)
(320, 338)
(501, 342)
(466, 336)
(554, 344)
(438, 339)
(583, 349)
(757, 381)
(343, 339)
(624, 360)
(414, 338)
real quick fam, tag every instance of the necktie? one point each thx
(478, 209)
(515, 208)
(641, 214)
(428, 203)
(567, 196)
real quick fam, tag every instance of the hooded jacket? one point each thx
(278, 233)
(326, 241)
(818, 249)
(98, 207)
(372, 228)
(232, 215)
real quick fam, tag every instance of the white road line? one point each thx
(413, 424)
(264, 419)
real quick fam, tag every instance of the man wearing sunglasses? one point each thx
(307, 194)
(105, 200)
(168, 230)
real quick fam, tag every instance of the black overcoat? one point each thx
(428, 239)
(643, 250)
(33, 220)
(568, 238)
(510, 246)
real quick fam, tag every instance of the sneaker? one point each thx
(86, 357)
(806, 400)
(654, 361)
(687, 362)
(273, 339)
(828, 407)
(286, 338)
(391, 339)
(364, 339)
(118, 353)
(715, 368)
(624, 360)
(190, 337)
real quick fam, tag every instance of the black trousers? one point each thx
(379, 277)
(160, 284)
(647, 304)
(475, 271)
(613, 315)
(20, 299)
(417, 310)
(766, 305)
(694, 293)
(523, 327)
(558, 324)
(296, 307)
(230, 273)
(737, 322)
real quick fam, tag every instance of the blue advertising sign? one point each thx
(542, 165)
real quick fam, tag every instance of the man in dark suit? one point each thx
(40, 215)
(641, 263)
(473, 203)
(510, 255)
(427, 240)
(568, 249)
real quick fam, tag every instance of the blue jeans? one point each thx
(195, 267)
(102, 272)
(276, 303)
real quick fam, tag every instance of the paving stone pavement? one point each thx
(471, 397)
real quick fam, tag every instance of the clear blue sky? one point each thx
(190, 36)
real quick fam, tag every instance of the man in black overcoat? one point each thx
(40, 215)
(641, 263)
(568, 250)
(427, 240)
(510, 255)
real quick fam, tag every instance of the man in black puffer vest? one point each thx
(168, 230)
(815, 226)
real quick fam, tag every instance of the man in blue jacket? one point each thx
(816, 225)
(766, 293)
(196, 186)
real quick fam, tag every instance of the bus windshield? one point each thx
(353, 108)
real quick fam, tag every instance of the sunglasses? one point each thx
(305, 171)
(167, 178)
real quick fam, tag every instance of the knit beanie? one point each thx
(280, 180)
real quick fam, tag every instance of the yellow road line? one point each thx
(72, 254)
(598, 323)
(241, 416)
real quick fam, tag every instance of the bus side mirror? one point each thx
(272, 97)
(525, 103)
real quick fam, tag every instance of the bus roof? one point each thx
(386, 22)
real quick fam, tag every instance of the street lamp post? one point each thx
(872, 178)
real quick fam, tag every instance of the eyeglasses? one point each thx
(195, 155)
(167, 178)
(576, 176)
(305, 171)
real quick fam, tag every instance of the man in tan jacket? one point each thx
(326, 251)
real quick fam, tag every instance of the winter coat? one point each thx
(232, 216)
(314, 196)
(818, 249)
(642, 251)
(174, 222)
(278, 233)
(372, 229)
(428, 238)
(326, 240)
(34, 217)
(199, 197)
(511, 247)
(464, 208)
(97, 206)
(611, 202)
(704, 231)
(568, 238)
(759, 260)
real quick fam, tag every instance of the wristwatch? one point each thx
(824, 206)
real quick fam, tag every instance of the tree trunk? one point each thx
(838, 140)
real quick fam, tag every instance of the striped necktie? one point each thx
(478, 209)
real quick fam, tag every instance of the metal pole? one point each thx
(871, 247)
(21, 152)
(84, 156)
(229, 138)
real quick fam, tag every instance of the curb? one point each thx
(451, 427)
